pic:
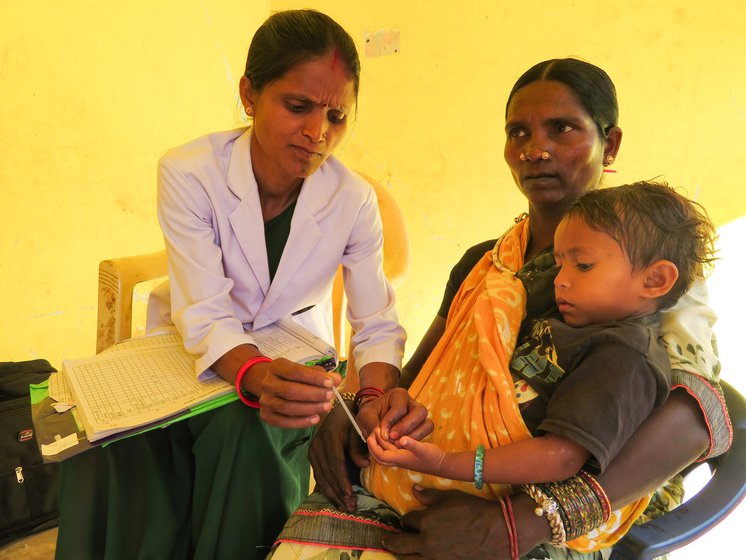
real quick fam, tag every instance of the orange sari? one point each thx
(467, 387)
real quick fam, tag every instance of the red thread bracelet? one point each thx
(514, 537)
(253, 403)
(364, 393)
(507, 507)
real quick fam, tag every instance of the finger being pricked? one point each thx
(404, 416)
(380, 443)
(380, 449)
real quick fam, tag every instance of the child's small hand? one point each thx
(406, 452)
(382, 450)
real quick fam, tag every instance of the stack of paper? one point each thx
(150, 381)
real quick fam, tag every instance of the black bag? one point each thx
(28, 487)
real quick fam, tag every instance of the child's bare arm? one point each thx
(540, 459)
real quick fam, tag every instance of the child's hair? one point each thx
(651, 221)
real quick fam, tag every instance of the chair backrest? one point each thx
(692, 519)
(395, 261)
(118, 277)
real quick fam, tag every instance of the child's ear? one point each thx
(660, 277)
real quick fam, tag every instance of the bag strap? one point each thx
(15, 377)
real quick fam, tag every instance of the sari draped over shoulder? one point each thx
(465, 384)
(468, 390)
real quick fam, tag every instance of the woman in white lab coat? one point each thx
(256, 222)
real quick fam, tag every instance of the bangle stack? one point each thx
(573, 507)
(507, 507)
(599, 494)
(345, 397)
(247, 398)
(365, 394)
(549, 509)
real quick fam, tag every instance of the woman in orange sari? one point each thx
(561, 132)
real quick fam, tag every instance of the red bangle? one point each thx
(253, 403)
(364, 393)
(507, 507)
(598, 490)
(514, 538)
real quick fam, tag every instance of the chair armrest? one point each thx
(117, 279)
(722, 493)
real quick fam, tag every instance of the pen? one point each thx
(349, 414)
(329, 363)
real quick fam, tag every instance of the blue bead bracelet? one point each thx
(479, 467)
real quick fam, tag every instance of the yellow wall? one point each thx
(431, 117)
(91, 95)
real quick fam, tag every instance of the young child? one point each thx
(623, 254)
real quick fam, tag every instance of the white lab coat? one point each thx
(209, 211)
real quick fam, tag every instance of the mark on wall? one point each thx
(228, 73)
(382, 42)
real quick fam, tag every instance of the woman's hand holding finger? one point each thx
(396, 413)
(370, 413)
(403, 416)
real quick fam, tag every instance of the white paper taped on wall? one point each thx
(381, 42)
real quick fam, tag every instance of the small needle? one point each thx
(341, 401)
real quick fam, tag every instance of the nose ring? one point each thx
(523, 156)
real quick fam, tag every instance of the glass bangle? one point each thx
(479, 468)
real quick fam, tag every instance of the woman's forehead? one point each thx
(545, 96)
(324, 81)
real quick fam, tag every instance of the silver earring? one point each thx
(523, 157)
(608, 160)
(545, 156)
(249, 111)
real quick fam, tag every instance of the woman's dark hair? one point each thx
(293, 37)
(592, 86)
